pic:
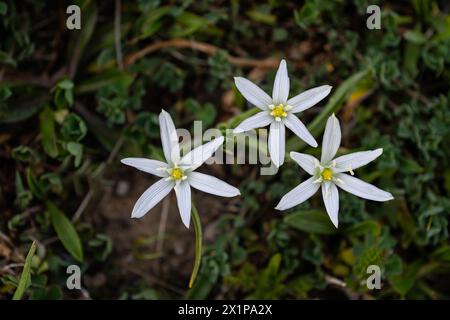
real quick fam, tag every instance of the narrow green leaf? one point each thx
(313, 221)
(3, 8)
(66, 232)
(24, 280)
(198, 245)
(364, 227)
(48, 135)
(334, 104)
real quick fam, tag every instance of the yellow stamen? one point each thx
(278, 111)
(176, 174)
(327, 174)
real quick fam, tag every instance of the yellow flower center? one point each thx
(176, 174)
(327, 174)
(279, 111)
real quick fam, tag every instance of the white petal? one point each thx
(297, 127)
(331, 139)
(169, 138)
(361, 189)
(151, 197)
(213, 185)
(280, 90)
(259, 120)
(330, 196)
(299, 194)
(183, 192)
(147, 165)
(307, 162)
(308, 98)
(277, 142)
(355, 160)
(253, 93)
(197, 156)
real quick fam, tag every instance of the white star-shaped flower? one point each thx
(278, 111)
(328, 173)
(178, 173)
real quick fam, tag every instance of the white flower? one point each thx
(328, 173)
(178, 173)
(278, 111)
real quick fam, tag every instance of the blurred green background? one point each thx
(74, 102)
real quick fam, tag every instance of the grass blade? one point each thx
(26, 273)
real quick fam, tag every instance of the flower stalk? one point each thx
(198, 244)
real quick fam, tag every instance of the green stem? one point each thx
(198, 244)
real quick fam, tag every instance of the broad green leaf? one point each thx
(48, 136)
(66, 232)
(25, 277)
(18, 113)
(314, 221)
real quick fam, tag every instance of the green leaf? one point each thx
(34, 185)
(48, 136)
(313, 221)
(334, 104)
(442, 253)
(3, 8)
(24, 280)
(415, 37)
(5, 93)
(65, 84)
(262, 17)
(75, 149)
(198, 245)
(152, 21)
(404, 282)
(66, 232)
(364, 227)
(18, 113)
(113, 77)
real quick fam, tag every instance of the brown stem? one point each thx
(268, 63)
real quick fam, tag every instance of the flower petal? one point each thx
(330, 196)
(253, 93)
(277, 142)
(331, 139)
(299, 194)
(307, 162)
(361, 189)
(355, 160)
(261, 119)
(213, 185)
(147, 165)
(280, 90)
(183, 192)
(297, 127)
(151, 197)
(197, 156)
(308, 98)
(169, 138)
